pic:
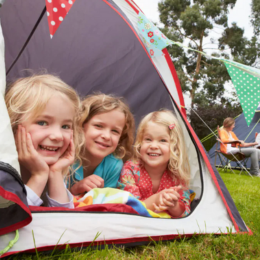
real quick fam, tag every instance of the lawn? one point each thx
(245, 192)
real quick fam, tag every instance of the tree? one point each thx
(243, 51)
(202, 77)
(255, 18)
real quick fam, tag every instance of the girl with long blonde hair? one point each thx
(159, 173)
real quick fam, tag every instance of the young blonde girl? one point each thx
(43, 112)
(159, 173)
(108, 127)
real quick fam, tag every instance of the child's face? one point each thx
(155, 147)
(102, 133)
(51, 131)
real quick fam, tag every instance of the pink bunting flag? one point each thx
(56, 12)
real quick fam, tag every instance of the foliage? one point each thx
(245, 193)
(243, 51)
(255, 18)
(195, 21)
(213, 115)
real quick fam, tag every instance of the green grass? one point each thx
(245, 192)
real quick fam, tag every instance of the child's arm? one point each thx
(30, 160)
(87, 184)
(56, 188)
(128, 180)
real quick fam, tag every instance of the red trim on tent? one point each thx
(209, 168)
(137, 6)
(12, 197)
(135, 9)
(106, 242)
(183, 113)
(176, 79)
(111, 207)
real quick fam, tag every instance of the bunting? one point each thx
(56, 12)
(245, 79)
(248, 89)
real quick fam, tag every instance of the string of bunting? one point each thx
(245, 79)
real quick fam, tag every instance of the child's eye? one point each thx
(98, 126)
(66, 127)
(42, 123)
(163, 140)
(116, 131)
(147, 139)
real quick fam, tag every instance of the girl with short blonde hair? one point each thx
(44, 114)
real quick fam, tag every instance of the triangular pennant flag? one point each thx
(56, 12)
(152, 37)
(247, 87)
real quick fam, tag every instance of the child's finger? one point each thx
(18, 139)
(169, 203)
(30, 147)
(175, 196)
(72, 148)
(161, 199)
(24, 141)
(177, 188)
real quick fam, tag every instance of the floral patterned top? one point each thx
(135, 179)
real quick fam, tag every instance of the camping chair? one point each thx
(239, 158)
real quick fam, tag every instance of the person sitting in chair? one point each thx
(227, 137)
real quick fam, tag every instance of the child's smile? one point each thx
(102, 134)
(155, 148)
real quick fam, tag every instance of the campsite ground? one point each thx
(245, 192)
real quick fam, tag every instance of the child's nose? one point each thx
(56, 134)
(106, 134)
(154, 145)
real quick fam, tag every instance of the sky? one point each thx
(239, 14)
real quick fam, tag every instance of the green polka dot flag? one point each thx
(247, 84)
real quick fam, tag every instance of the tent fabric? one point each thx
(243, 132)
(122, 73)
(98, 48)
(14, 210)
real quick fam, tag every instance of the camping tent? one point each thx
(98, 48)
(243, 132)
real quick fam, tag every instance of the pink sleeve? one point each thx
(184, 201)
(127, 181)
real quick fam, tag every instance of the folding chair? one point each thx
(239, 158)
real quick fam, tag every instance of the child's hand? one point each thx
(65, 160)
(28, 157)
(167, 199)
(87, 184)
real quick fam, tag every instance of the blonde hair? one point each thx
(27, 97)
(178, 164)
(229, 121)
(102, 103)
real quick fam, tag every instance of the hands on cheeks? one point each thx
(39, 171)
(30, 160)
(168, 199)
(87, 184)
(66, 159)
